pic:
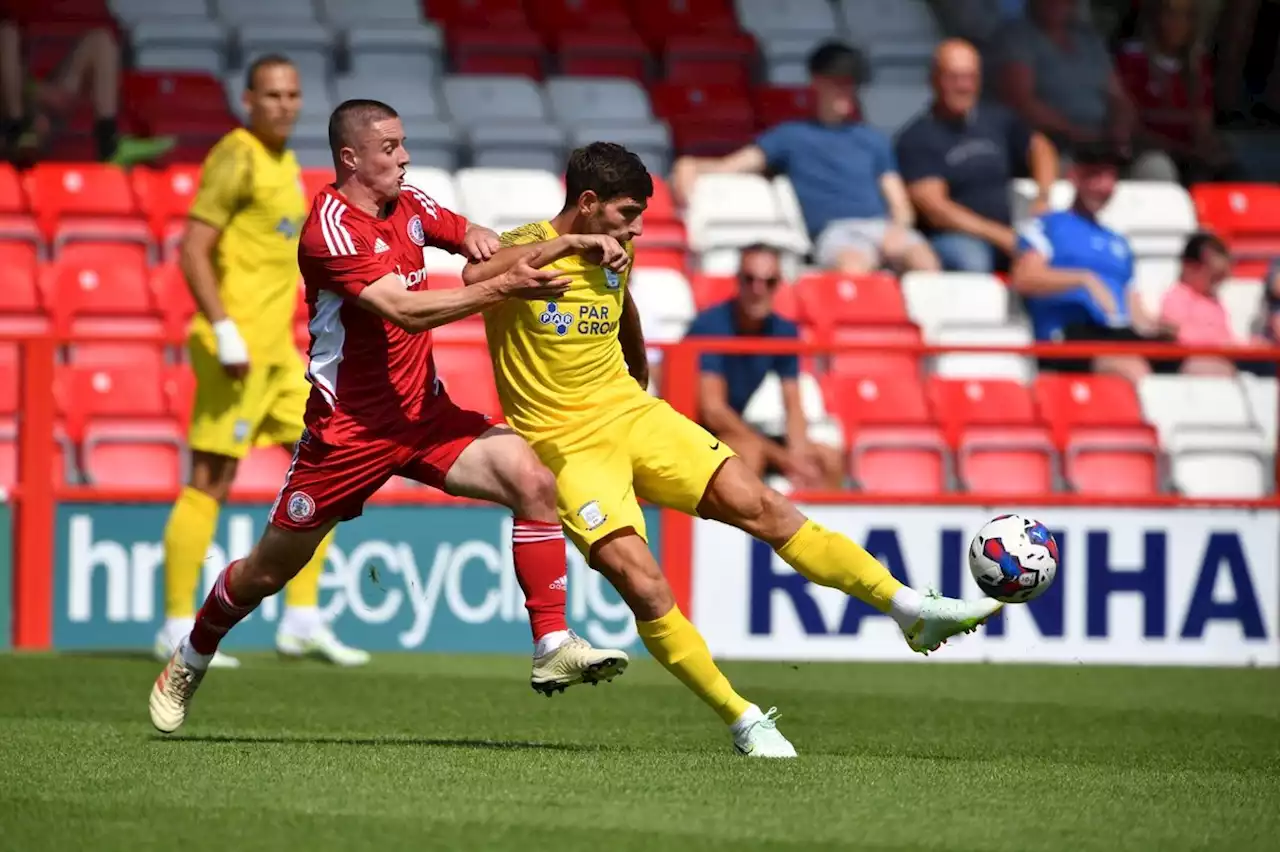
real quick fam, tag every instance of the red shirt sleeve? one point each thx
(443, 228)
(338, 258)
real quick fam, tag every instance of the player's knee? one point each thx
(535, 489)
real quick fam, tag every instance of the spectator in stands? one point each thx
(1191, 309)
(1271, 302)
(1075, 275)
(1055, 72)
(844, 173)
(31, 109)
(727, 382)
(1169, 79)
(957, 159)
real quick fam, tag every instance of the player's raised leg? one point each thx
(278, 557)
(499, 467)
(736, 496)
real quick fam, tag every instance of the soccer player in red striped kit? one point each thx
(377, 408)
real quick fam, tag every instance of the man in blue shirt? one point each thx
(727, 382)
(844, 173)
(957, 159)
(1074, 274)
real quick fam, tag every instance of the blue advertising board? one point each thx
(444, 580)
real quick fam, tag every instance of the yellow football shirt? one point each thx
(254, 197)
(558, 365)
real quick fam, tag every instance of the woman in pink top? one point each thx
(1191, 309)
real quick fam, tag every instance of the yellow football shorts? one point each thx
(655, 454)
(229, 416)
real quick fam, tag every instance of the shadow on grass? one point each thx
(338, 739)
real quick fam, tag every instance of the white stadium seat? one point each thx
(728, 210)
(982, 365)
(765, 410)
(1157, 218)
(132, 12)
(598, 99)
(436, 183)
(787, 72)
(889, 107)
(348, 13)
(935, 299)
(208, 59)
(767, 18)
(237, 12)
(1242, 297)
(892, 32)
(664, 300)
(1218, 462)
(1173, 403)
(507, 198)
(178, 33)
(290, 38)
(1263, 401)
(506, 120)
(379, 63)
(1152, 278)
(410, 98)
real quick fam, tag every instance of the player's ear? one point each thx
(588, 202)
(347, 156)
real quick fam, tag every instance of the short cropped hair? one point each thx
(837, 59)
(353, 115)
(267, 60)
(1201, 243)
(607, 169)
(758, 247)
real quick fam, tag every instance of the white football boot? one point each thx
(757, 735)
(941, 618)
(170, 636)
(172, 692)
(321, 644)
(575, 661)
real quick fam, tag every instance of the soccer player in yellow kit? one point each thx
(240, 258)
(571, 377)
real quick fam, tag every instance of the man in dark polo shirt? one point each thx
(727, 382)
(957, 160)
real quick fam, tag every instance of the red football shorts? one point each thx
(328, 481)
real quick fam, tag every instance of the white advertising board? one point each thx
(1135, 586)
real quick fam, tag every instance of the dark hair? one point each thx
(1098, 154)
(607, 169)
(267, 60)
(837, 59)
(351, 115)
(767, 248)
(1201, 242)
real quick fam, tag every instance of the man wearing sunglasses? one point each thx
(728, 382)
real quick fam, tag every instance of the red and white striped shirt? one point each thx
(369, 377)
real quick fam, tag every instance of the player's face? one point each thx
(620, 218)
(273, 102)
(836, 98)
(759, 275)
(381, 158)
(1095, 185)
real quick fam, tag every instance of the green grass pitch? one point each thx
(434, 753)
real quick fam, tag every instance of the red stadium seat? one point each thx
(1247, 217)
(22, 302)
(829, 299)
(85, 201)
(709, 58)
(261, 472)
(1010, 461)
(314, 180)
(876, 399)
(601, 54)
(776, 104)
(899, 461)
(8, 378)
(490, 50)
(886, 361)
(657, 20)
(961, 403)
(1113, 462)
(177, 102)
(172, 297)
(110, 391)
(180, 391)
(711, 290)
(552, 17)
(1068, 401)
(499, 14)
(467, 375)
(114, 286)
(133, 456)
(166, 195)
(9, 457)
(711, 104)
(12, 199)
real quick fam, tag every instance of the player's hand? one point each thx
(1102, 297)
(895, 242)
(480, 243)
(523, 281)
(233, 354)
(603, 250)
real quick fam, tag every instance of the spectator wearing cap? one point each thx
(1191, 309)
(1056, 73)
(1075, 275)
(727, 382)
(845, 175)
(957, 159)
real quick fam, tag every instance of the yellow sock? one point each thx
(303, 591)
(677, 644)
(830, 559)
(187, 536)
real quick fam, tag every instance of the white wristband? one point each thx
(231, 346)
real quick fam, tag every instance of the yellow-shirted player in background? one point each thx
(240, 258)
(571, 376)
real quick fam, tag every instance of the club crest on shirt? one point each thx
(611, 279)
(592, 516)
(300, 507)
(416, 233)
(240, 431)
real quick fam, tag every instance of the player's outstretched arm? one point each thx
(596, 248)
(421, 310)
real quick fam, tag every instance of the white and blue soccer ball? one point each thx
(1013, 559)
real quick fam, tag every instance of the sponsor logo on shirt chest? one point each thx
(589, 319)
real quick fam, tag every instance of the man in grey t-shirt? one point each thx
(1056, 73)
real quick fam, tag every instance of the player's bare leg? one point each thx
(736, 496)
(501, 468)
(626, 561)
(278, 556)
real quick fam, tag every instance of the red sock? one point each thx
(538, 552)
(217, 615)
